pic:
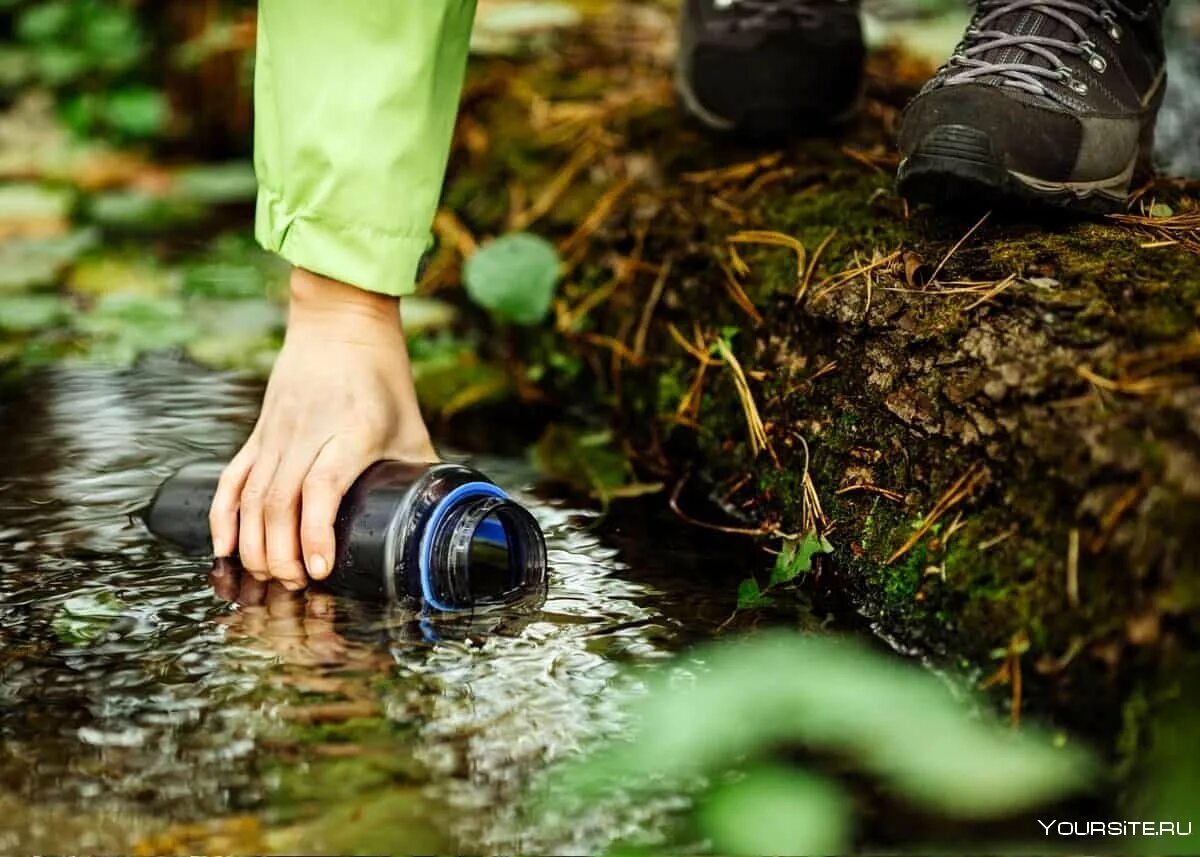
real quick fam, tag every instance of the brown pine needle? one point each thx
(993, 292)
(739, 294)
(639, 338)
(894, 496)
(861, 269)
(862, 157)
(618, 348)
(595, 218)
(737, 262)
(699, 354)
(1073, 567)
(962, 488)
(812, 516)
(773, 239)
(733, 173)
(450, 230)
(758, 432)
(812, 266)
(570, 318)
(550, 195)
(956, 247)
(1130, 386)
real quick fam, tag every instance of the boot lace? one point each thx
(966, 64)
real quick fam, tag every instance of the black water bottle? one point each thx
(440, 536)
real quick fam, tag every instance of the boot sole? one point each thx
(956, 165)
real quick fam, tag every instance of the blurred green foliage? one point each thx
(717, 722)
(92, 54)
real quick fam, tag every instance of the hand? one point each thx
(340, 398)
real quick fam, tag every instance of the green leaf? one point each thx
(796, 557)
(750, 596)
(889, 717)
(137, 111)
(85, 617)
(30, 313)
(776, 810)
(58, 65)
(45, 21)
(111, 36)
(514, 277)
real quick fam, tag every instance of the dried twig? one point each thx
(764, 530)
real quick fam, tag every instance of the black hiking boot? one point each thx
(770, 67)
(1049, 101)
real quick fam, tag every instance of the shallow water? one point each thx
(187, 707)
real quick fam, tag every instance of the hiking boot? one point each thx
(769, 67)
(1049, 101)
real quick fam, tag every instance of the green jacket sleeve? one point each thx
(355, 103)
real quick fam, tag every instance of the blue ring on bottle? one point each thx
(468, 491)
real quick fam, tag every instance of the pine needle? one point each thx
(962, 488)
(773, 239)
(758, 432)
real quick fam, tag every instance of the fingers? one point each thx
(223, 513)
(281, 522)
(252, 547)
(336, 468)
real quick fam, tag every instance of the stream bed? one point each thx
(148, 703)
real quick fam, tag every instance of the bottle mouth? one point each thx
(481, 549)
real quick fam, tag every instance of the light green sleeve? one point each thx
(355, 102)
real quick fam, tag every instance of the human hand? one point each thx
(340, 398)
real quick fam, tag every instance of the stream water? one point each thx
(195, 701)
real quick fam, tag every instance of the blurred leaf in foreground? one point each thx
(514, 277)
(776, 810)
(891, 719)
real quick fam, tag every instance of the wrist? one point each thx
(312, 295)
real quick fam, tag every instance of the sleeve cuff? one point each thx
(362, 256)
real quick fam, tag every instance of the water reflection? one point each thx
(191, 679)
